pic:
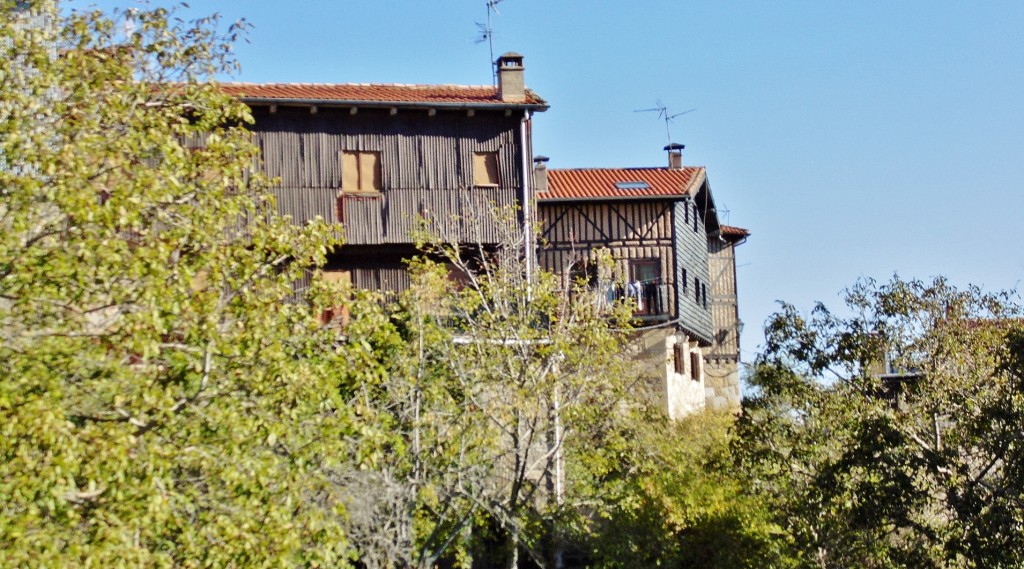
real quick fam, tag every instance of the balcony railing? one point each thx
(650, 298)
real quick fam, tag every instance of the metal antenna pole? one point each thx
(487, 34)
(663, 113)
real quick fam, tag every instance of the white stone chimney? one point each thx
(675, 156)
(511, 83)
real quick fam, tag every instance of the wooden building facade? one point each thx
(723, 358)
(381, 160)
(655, 224)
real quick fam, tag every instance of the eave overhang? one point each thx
(346, 103)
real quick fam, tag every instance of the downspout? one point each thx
(527, 172)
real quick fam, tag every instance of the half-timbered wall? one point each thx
(722, 382)
(692, 261)
(426, 169)
(639, 230)
(724, 307)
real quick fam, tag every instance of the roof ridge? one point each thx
(624, 168)
(320, 84)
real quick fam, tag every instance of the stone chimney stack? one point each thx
(511, 83)
(540, 173)
(675, 156)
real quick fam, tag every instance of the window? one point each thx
(679, 358)
(335, 315)
(696, 290)
(632, 185)
(360, 171)
(684, 279)
(696, 219)
(485, 168)
(704, 295)
(695, 366)
(643, 286)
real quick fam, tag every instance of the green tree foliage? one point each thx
(665, 494)
(913, 463)
(490, 376)
(164, 401)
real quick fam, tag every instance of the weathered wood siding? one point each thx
(722, 371)
(426, 169)
(574, 232)
(724, 304)
(691, 254)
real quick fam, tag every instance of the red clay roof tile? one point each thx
(735, 231)
(341, 93)
(600, 183)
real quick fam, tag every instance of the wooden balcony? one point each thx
(651, 299)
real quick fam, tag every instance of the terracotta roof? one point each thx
(621, 183)
(731, 231)
(382, 94)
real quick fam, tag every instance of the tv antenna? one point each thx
(487, 35)
(664, 113)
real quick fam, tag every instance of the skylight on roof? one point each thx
(632, 185)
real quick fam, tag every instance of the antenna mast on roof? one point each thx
(663, 113)
(487, 35)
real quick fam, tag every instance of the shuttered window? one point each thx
(485, 168)
(695, 366)
(360, 171)
(679, 358)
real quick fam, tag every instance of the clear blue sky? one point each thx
(854, 139)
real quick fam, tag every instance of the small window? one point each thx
(696, 290)
(685, 282)
(704, 295)
(360, 171)
(632, 185)
(679, 358)
(695, 366)
(485, 168)
(696, 219)
(335, 315)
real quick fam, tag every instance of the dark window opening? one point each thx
(645, 286)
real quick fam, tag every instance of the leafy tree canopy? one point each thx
(892, 437)
(165, 401)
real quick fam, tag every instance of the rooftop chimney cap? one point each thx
(540, 159)
(675, 146)
(511, 85)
